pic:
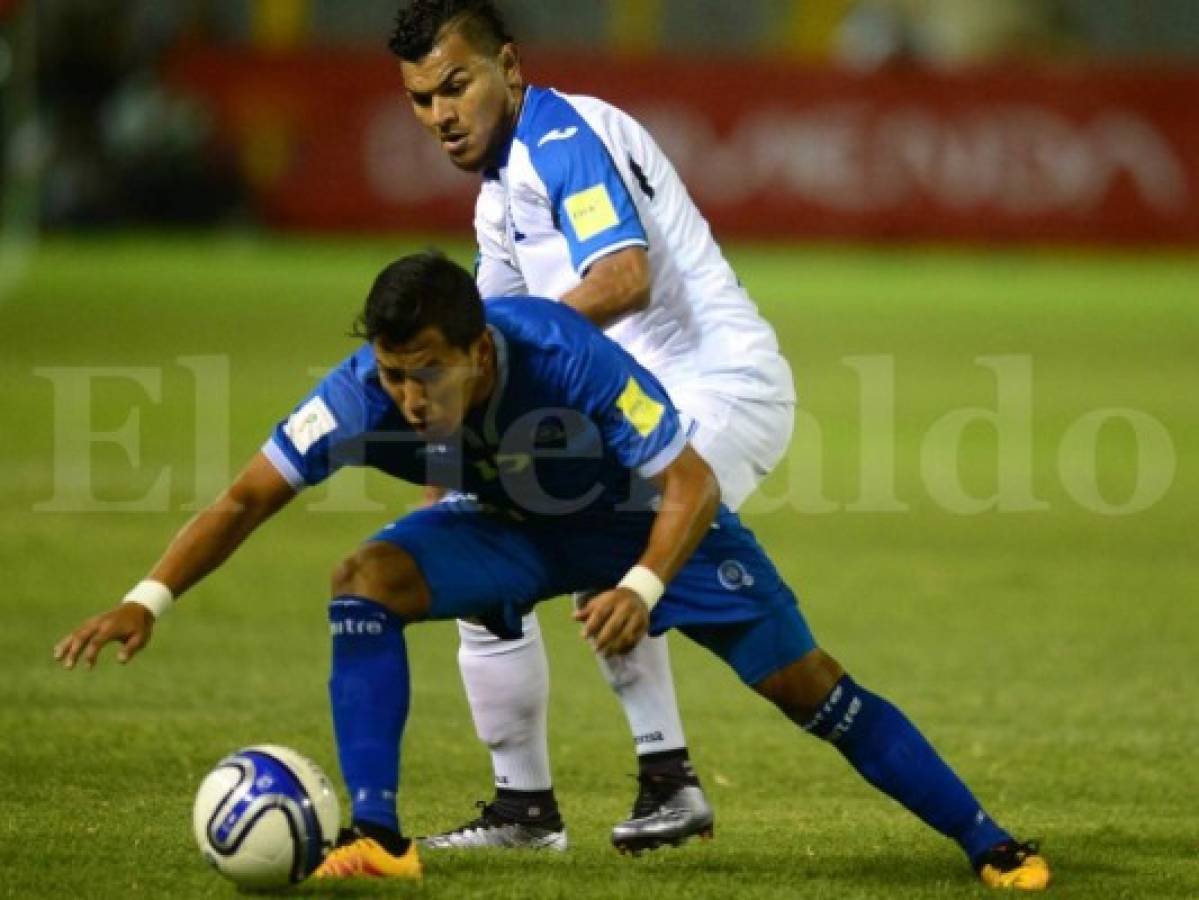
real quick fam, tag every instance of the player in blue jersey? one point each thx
(578, 203)
(575, 470)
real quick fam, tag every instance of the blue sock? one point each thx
(888, 751)
(368, 690)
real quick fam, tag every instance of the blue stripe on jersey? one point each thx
(591, 204)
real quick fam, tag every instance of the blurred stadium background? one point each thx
(975, 224)
(1016, 120)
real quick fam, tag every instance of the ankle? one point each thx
(527, 807)
(672, 764)
(387, 838)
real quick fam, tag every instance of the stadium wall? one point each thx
(770, 150)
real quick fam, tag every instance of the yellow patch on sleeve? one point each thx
(643, 412)
(591, 212)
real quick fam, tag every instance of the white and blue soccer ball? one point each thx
(265, 817)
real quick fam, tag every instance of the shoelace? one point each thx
(341, 860)
(1010, 855)
(655, 790)
(489, 819)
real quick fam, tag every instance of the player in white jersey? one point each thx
(579, 203)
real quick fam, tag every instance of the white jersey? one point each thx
(581, 180)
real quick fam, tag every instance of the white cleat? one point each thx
(493, 830)
(667, 811)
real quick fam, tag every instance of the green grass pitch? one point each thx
(1051, 653)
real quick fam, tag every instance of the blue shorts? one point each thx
(728, 597)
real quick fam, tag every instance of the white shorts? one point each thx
(741, 439)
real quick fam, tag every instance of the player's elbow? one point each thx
(638, 300)
(255, 495)
(625, 280)
(692, 478)
(710, 490)
(638, 287)
(704, 486)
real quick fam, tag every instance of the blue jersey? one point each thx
(574, 423)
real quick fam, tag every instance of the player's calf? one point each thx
(888, 751)
(800, 689)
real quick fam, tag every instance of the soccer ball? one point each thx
(265, 817)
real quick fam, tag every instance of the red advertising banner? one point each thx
(767, 150)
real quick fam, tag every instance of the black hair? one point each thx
(425, 290)
(420, 23)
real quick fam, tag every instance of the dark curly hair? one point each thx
(425, 290)
(420, 23)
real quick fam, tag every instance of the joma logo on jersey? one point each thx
(558, 134)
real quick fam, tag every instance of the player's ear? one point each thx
(510, 65)
(484, 351)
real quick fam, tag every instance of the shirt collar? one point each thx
(531, 94)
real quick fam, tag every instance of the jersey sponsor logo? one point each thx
(643, 412)
(733, 575)
(591, 212)
(558, 134)
(309, 424)
(348, 627)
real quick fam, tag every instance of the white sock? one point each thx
(508, 688)
(645, 686)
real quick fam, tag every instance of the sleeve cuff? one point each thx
(664, 457)
(274, 453)
(591, 260)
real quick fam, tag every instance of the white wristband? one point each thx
(153, 595)
(645, 583)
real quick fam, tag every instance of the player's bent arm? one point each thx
(615, 286)
(616, 620)
(690, 501)
(210, 538)
(199, 548)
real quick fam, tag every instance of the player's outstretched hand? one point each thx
(614, 621)
(129, 623)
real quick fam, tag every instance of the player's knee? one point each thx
(385, 574)
(801, 688)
